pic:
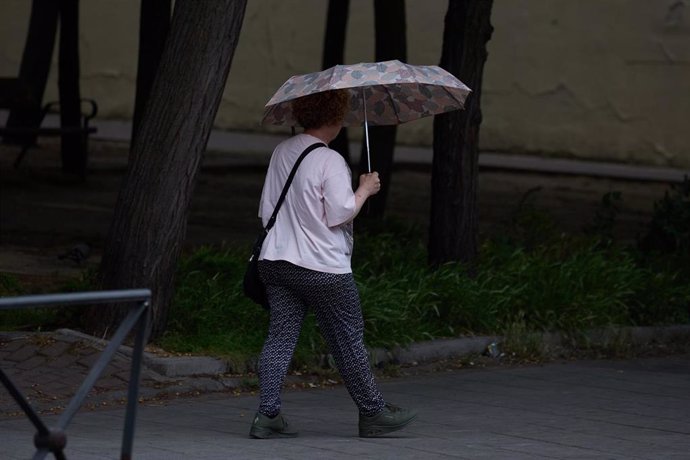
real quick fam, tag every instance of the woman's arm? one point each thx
(369, 184)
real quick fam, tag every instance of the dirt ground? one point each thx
(43, 213)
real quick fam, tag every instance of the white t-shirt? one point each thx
(313, 228)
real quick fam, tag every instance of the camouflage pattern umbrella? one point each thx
(382, 93)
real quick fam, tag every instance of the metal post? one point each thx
(21, 400)
(133, 390)
(54, 440)
(99, 366)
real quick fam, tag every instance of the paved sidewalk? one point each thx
(264, 143)
(48, 368)
(636, 409)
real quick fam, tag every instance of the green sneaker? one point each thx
(264, 427)
(391, 418)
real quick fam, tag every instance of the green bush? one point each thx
(568, 284)
(669, 229)
(520, 284)
(36, 319)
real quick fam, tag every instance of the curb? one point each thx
(416, 353)
(433, 350)
(176, 366)
(635, 335)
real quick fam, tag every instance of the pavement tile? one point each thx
(62, 361)
(9, 346)
(34, 362)
(88, 360)
(56, 349)
(22, 353)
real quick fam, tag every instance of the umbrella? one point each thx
(381, 93)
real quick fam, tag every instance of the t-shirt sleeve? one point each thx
(338, 197)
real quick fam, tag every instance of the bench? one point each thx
(15, 96)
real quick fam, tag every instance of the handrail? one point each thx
(53, 440)
(74, 298)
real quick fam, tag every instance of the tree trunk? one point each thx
(34, 68)
(333, 54)
(453, 227)
(391, 43)
(149, 223)
(73, 147)
(154, 24)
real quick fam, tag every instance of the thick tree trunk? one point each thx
(453, 227)
(154, 24)
(34, 68)
(334, 54)
(150, 219)
(73, 147)
(391, 43)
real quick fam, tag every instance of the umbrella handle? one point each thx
(366, 130)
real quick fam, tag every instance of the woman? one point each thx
(305, 264)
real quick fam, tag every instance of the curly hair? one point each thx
(321, 109)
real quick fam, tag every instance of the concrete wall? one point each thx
(596, 79)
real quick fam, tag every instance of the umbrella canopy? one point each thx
(382, 93)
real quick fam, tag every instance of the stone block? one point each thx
(186, 365)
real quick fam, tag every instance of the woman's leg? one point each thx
(335, 301)
(287, 314)
(338, 311)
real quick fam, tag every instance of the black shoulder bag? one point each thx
(253, 286)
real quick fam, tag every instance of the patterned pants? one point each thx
(335, 301)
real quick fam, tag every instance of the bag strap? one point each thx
(272, 220)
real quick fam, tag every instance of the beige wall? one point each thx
(597, 79)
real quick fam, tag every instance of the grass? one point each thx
(568, 284)
(38, 319)
(531, 280)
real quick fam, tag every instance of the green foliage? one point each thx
(37, 319)
(84, 283)
(211, 315)
(569, 284)
(10, 285)
(530, 280)
(602, 225)
(209, 312)
(669, 229)
(520, 342)
(11, 320)
(529, 227)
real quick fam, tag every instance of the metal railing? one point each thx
(53, 440)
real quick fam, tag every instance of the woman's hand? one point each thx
(369, 184)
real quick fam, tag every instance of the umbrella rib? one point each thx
(390, 96)
(462, 103)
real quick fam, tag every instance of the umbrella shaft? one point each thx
(366, 130)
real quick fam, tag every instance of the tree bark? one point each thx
(391, 43)
(453, 227)
(73, 148)
(334, 54)
(34, 68)
(149, 223)
(154, 24)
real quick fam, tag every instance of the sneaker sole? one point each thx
(267, 433)
(378, 430)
